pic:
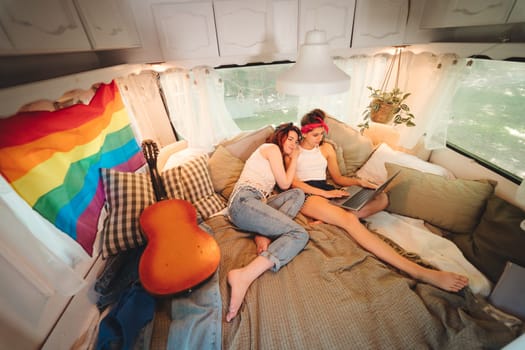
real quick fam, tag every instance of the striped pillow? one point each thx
(127, 195)
(196, 186)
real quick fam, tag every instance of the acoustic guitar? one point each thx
(179, 255)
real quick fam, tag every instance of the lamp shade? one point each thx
(314, 73)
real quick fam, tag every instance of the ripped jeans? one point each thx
(273, 219)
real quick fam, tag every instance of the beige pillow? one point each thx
(225, 170)
(454, 205)
(166, 151)
(497, 239)
(193, 180)
(243, 145)
(356, 147)
(339, 154)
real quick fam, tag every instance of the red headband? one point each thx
(310, 127)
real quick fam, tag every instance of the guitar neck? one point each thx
(158, 185)
(150, 151)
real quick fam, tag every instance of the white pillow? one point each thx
(181, 157)
(166, 151)
(374, 168)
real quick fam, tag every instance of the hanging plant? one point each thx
(388, 106)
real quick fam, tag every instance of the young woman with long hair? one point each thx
(252, 208)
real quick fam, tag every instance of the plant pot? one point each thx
(381, 112)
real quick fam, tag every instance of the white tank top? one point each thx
(257, 173)
(311, 164)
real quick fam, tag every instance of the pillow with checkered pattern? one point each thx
(195, 185)
(127, 195)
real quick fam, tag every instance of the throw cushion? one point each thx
(497, 239)
(339, 154)
(182, 156)
(454, 205)
(166, 152)
(127, 194)
(243, 145)
(356, 147)
(374, 168)
(196, 186)
(225, 170)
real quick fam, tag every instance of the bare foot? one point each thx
(315, 222)
(262, 243)
(239, 286)
(448, 281)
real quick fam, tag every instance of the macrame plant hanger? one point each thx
(396, 58)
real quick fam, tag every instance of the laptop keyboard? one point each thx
(359, 197)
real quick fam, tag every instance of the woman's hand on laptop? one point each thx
(336, 194)
(367, 183)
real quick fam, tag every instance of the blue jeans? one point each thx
(273, 219)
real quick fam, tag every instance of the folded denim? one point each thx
(120, 272)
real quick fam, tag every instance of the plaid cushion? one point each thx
(127, 195)
(196, 186)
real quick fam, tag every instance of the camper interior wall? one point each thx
(28, 318)
(466, 168)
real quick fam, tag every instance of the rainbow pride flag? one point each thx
(53, 159)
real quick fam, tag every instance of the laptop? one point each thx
(359, 196)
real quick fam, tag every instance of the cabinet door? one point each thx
(461, 13)
(254, 27)
(109, 23)
(186, 30)
(380, 23)
(39, 26)
(5, 44)
(334, 17)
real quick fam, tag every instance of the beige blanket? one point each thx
(335, 295)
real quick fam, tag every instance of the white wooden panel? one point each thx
(518, 12)
(35, 26)
(77, 321)
(380, 22)
(5, 44)
(334, 17)
(460, 13)
(109, 23)
(285, 22)
(186, 30)
(254, 27)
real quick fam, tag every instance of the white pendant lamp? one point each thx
(314, 73)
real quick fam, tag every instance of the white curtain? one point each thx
(195, 100)
(435, 111)
(430, 79)
(143, 101)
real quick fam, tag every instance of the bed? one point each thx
(334, 294)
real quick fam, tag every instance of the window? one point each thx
(251, 98)
(488, 120)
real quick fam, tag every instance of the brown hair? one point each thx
(313, 117)
(281, 133)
